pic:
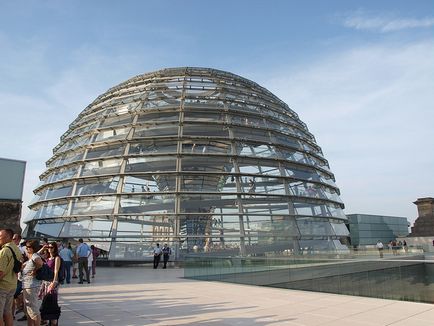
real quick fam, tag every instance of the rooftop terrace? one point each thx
(144, 296)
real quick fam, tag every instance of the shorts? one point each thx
(32, 302)
(6, 299)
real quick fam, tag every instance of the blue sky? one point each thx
(359, 73)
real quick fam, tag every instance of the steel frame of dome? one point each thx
(199, 158)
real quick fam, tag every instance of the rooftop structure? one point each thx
(11, 192)
(424, 224)
(367, 229)
(203, 159)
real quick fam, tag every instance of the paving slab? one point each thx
(133, 296)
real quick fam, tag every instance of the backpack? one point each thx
(17, 264)
(50, 309)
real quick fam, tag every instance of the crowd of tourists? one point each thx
(32, 272)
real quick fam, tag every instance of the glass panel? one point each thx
(208, 183)
(299, 173)
(327, 210)
(149, 117)
(147, 184)
(101, 167)
(33, 214)
(205, 164)
(62, 174)
(250, 133)
(112, 134)
(105, 151)
(208, 115)
(67, 158)
(206, 147)
(63, 191)
(87, 228)
(92, 206)
(152, 146)
(314, 227)
(74, 143)
(207, 203)
(340, 229)
(53, 209)
(125, 119)
(285, 140)
(156, 131)
(306, 189)
(151, 229)
(256, 150)
(83, 129)
(158, 204)
(197, 103)
(121, 108)
(254, 204)
(258, 167)
(151, 164)
(263, 185)
(49, 229)
(205, 130)
(250, 121)
(97, 186)
(275, 228)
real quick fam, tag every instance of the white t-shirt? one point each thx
(157, 251)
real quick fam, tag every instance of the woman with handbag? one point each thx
(50, 310)
(31, 285)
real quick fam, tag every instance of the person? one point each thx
(394, 248)
(18, 304)
(83, 251)
(67, 255)
(166, 254)
(89, 262)
(380, 248)
(157, 255)
(74, 262)
(52, 287)
(8, 278)
(404, 244)
(252, 187)
(31, 285)
(95, 254)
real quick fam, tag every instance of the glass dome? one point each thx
(202, 159)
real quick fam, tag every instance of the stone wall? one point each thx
(424, 224)
(10, 214)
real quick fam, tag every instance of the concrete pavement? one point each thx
(131, 296)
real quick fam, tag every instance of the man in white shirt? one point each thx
(380, 248)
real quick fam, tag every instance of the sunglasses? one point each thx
(50, 247)
(28, 246)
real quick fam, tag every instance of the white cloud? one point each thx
(384, 23)
(370, 109)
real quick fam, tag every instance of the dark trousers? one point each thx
(67, 270)
(82, 264)
(165, 260)
(156, 260)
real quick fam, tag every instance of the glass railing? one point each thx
(405, 276)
